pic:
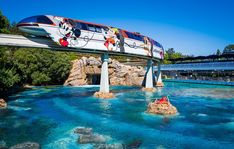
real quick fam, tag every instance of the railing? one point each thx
(199, 66)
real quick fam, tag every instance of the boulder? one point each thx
(104, 95)
(3, 104)
(84, 131)
(134, 144)
(109, 146)
(161, 108)
(26, 145)
(117, 80)
(159, 84)
(149, 89)
(92, 138)
(3, 145)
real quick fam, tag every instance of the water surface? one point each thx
(49, 115)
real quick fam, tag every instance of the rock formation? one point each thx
(109, 146)
(26, 145)
(103, 95)
(149, 89)
(92, 138)
(83, 131)
(119, 74)
(161, 108)
(3, 104)
(159, 84)
(3, 145)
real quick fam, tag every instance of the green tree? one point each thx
(218, 52)
(4, 24)
(229, 49)
(41, 67)
(14, 29)
(170, 52)
(8, 73)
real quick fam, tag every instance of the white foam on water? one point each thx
(86, 86)
(229, 125)
(19, 108)
(201, 114)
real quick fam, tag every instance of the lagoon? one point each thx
(49, 115)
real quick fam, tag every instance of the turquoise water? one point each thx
(49, 115)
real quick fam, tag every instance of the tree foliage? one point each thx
(33, 66)
(8, 73)
(229, 49)
(171, 54)
(30, 66)
(218, 52)
(4, 24)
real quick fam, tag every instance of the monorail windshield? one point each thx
(37, 19)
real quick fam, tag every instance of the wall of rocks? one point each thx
(119, 74)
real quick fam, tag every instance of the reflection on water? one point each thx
(211, 92)
(49, 115)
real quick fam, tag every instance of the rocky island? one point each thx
(3, 104)
(161, 107)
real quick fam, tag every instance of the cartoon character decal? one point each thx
(147, 45)
(110, 36)
(162, 54)
(68, 31)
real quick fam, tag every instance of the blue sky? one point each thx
(197, 27)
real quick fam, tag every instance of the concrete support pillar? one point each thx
(159, 77)
(149, 74)
(149, 78)
(104, 83)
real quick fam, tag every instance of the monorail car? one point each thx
(79, 34)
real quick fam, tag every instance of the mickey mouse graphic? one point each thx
(68, 29)
(110, 37)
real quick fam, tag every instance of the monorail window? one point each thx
(130, 35)
(105, 28)
(157, 44)
(91, 27)
(134, 36)
(44, 20)
(98, 29)
(80, 25)
(37, 19)
(138, 37)
(73, 23)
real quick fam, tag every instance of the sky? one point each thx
(192, 27)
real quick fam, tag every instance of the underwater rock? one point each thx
(159, 84)
(161, 108)
(104, 95)
(26, 145)
(84, 131)
(133, 144)
(85, 139)
(3, 145)
(108, 146)
(3, 104)
(149, 89)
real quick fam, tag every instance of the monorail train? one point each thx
(79, 34)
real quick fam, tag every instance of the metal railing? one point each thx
(199, 66)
